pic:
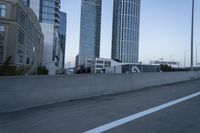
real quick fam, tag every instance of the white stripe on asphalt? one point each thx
(139, 115)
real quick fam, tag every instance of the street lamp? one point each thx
(192, 35)
(185, 57)
(197, 54)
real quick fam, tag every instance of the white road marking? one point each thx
(139, 115)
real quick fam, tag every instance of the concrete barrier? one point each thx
(18, 93)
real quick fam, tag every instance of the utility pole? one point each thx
(192, 36)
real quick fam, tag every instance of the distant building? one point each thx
(99, 65)
(90, 30)
(125, 35)
(132, 68)
(109, 66)
(48, 13)
(62, 38)
(162, 62)
(21, 36)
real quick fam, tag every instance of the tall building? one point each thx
(62, 38)
(48, 13)
(125, 36)
(21, 36)
(90, 30)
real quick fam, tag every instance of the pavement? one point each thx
(85, 114)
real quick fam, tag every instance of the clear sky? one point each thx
(164, 29)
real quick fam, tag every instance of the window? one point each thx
(99, 66)
(2, 34)
(22, 19)
(20, 56)
(26, 2)
(2, 10)
(29, 26)
(21, 37)
(100, 62)
(1, 54)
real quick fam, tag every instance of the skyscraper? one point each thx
(90, 30)
(125, 36)
(48, 13)
(62, 38)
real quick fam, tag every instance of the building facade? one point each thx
(62, 38)
(48, 13)
(21, 36)
(125, 36)
(132, 68)
(90, 30)
(99, 65)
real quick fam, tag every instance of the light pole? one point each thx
(197, 54)
(192, 36)
(185, 57)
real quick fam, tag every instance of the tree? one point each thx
(42, 70)
(6, 69)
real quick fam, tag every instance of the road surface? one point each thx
(86, 115)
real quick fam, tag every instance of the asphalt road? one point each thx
(83, 115)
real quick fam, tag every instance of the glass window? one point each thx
(1, 54)
(20, 56)
(2, 10)
(22, 19)
(30, 26)
(2, 34)
(26, 2)
(21, 37)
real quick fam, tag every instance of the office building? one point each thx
(62, 38)
(48, 13)
(21, 36)
(90, 30)
(125, 36)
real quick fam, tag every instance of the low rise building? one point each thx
(21, 36)
(99, 65)
(132, 68)
(106, 66)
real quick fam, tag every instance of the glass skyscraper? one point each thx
(90, 30)
(62, 37)
(125, 36)
(48, 13)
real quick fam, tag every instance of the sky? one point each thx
(165, 29)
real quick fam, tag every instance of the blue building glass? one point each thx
(62, 35)
(26, 2)
(125, 36)
(90, 30)
(50, 11)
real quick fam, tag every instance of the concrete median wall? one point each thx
(18, 93)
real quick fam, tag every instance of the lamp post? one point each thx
(185, 57)
(197, 54)
(192, 36)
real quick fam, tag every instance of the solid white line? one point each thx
(139, 115)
